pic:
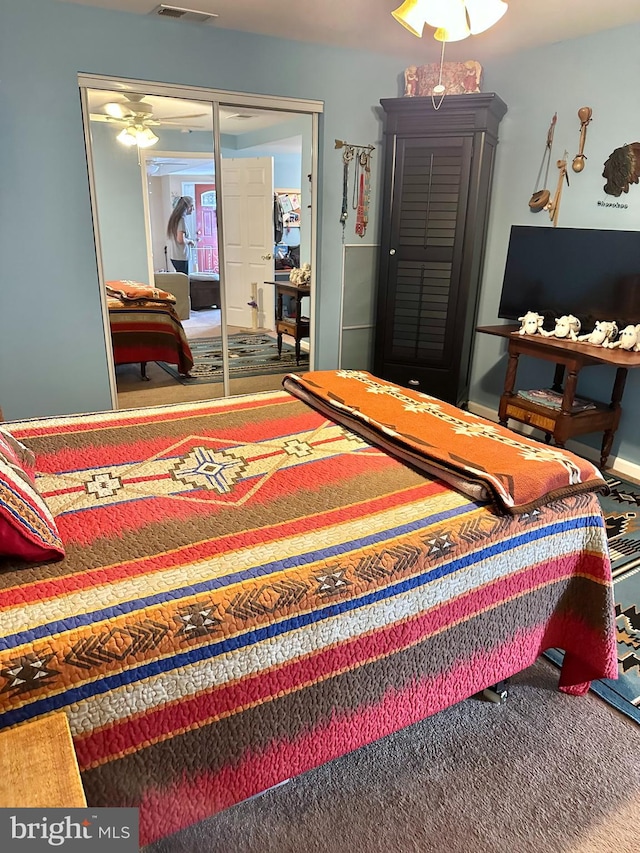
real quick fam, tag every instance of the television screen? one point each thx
(594, 274)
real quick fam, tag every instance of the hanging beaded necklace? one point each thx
(363, 173)
(347, 157)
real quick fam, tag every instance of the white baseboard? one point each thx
(621, 466)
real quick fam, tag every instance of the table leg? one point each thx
(297, 350)
(562, 428)
(509, 385)
(279, 344)
(616, 397)
(570, 390)
(557, 378)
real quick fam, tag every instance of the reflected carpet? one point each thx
(249, 355)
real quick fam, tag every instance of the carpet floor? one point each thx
(621, 508)
(542, 773)
(249, 355)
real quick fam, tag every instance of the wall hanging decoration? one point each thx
(621, 169)
(360, 156)
(584, 114)
(554, 206)
(540, 197)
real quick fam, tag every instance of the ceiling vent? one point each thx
(180, 14)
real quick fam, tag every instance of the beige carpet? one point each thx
(543, 773)
(162, 389)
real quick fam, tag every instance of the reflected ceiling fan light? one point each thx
(137, 134)
(145, 137)
(484, 14)
(127, 136)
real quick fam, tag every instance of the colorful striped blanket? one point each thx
(481, 458)
(148, 331)
(251, 589)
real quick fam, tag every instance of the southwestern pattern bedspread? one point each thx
(148, 331)
(250, 589)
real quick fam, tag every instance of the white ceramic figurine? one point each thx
(531, 324)
(604, 332)
(567, 327)
(629, 339)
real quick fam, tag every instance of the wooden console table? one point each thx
(289, 319)
(564, 423)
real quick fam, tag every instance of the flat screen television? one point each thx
(593, 274)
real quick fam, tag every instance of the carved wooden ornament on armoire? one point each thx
(437, 183)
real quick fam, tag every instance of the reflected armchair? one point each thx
(178, 284)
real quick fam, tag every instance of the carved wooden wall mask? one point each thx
(622, 169)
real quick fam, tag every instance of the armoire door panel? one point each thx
(437, 181)
(419, 298)
(431, 190)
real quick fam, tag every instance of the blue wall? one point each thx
(118, 183)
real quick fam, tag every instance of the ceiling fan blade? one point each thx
(117, 109)
(180, 118)
(110, 119)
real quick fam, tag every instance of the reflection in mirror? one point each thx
(265, 157)
(161, 216)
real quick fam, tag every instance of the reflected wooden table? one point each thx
(289, 318)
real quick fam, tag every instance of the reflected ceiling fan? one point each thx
(136, 115)
(154, 167)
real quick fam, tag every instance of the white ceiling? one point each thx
(367, 24)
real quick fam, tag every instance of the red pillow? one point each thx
(27, 528)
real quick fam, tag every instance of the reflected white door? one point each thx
(248, 238)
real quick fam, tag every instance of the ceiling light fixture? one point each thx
(453, 20)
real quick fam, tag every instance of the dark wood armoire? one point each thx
(438, 170)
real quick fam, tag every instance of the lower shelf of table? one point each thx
(297, 330)
(556, 422)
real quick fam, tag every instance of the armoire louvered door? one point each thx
(432, 177)
(437, 178)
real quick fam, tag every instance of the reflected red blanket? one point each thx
(148, 331)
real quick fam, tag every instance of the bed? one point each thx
(146, 328)
(255, 586)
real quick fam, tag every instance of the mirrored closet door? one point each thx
(202, 208)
